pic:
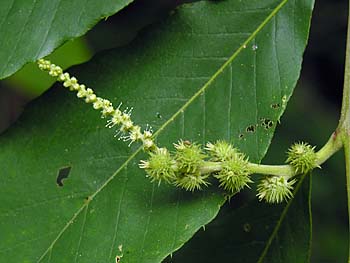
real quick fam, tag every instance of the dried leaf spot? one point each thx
(267, 123)
(250, 128)
(118, 258)
(63, 173)
(275, 106)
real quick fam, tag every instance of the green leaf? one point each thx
(252, 231)
(31, 29)
(34, 82)
(178, 78)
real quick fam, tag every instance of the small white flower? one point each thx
(55, 70)
(63, 77)
(98, 104)
(70, 81)
(129, 131)
(135, 134)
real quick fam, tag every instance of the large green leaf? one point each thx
(246, 232)
(31, 29)
(179, 79)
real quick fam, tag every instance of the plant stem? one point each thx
(334, 143)
(347, 171)
(280, 170)
(344, 122)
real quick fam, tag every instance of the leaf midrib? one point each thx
(169, 121)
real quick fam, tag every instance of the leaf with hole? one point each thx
(210, 70)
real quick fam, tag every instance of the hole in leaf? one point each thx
(266, 123)
(241, 136)
(63, 173)
(159, 116)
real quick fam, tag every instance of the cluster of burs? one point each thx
(191, 166)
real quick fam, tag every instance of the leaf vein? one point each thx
(276, 55)
(176, 220)
(81, 234)
(147, 224)
(48, 28)
(229, 105)
(14, 50)
(256, 103)
(118, 213)
(223, 67)
(7, 14)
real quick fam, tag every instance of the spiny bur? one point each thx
(235, 174)
(189, 158)
(160, 166)
(221, 151)
(275, 189)
(302, 157)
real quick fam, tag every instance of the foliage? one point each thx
(210, 70)
(47, 24)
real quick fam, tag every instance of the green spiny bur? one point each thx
(189, 156)
(275, 189)
(221, 151)
(302, 157)
(160, 166)
(234, 175)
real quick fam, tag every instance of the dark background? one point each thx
(311, 115)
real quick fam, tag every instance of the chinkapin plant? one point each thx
(190, 165)
(122, 217)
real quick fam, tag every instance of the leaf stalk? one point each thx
(344, 122)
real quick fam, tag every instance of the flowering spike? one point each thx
(302, 157)
(132, 132)
(275, 189)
